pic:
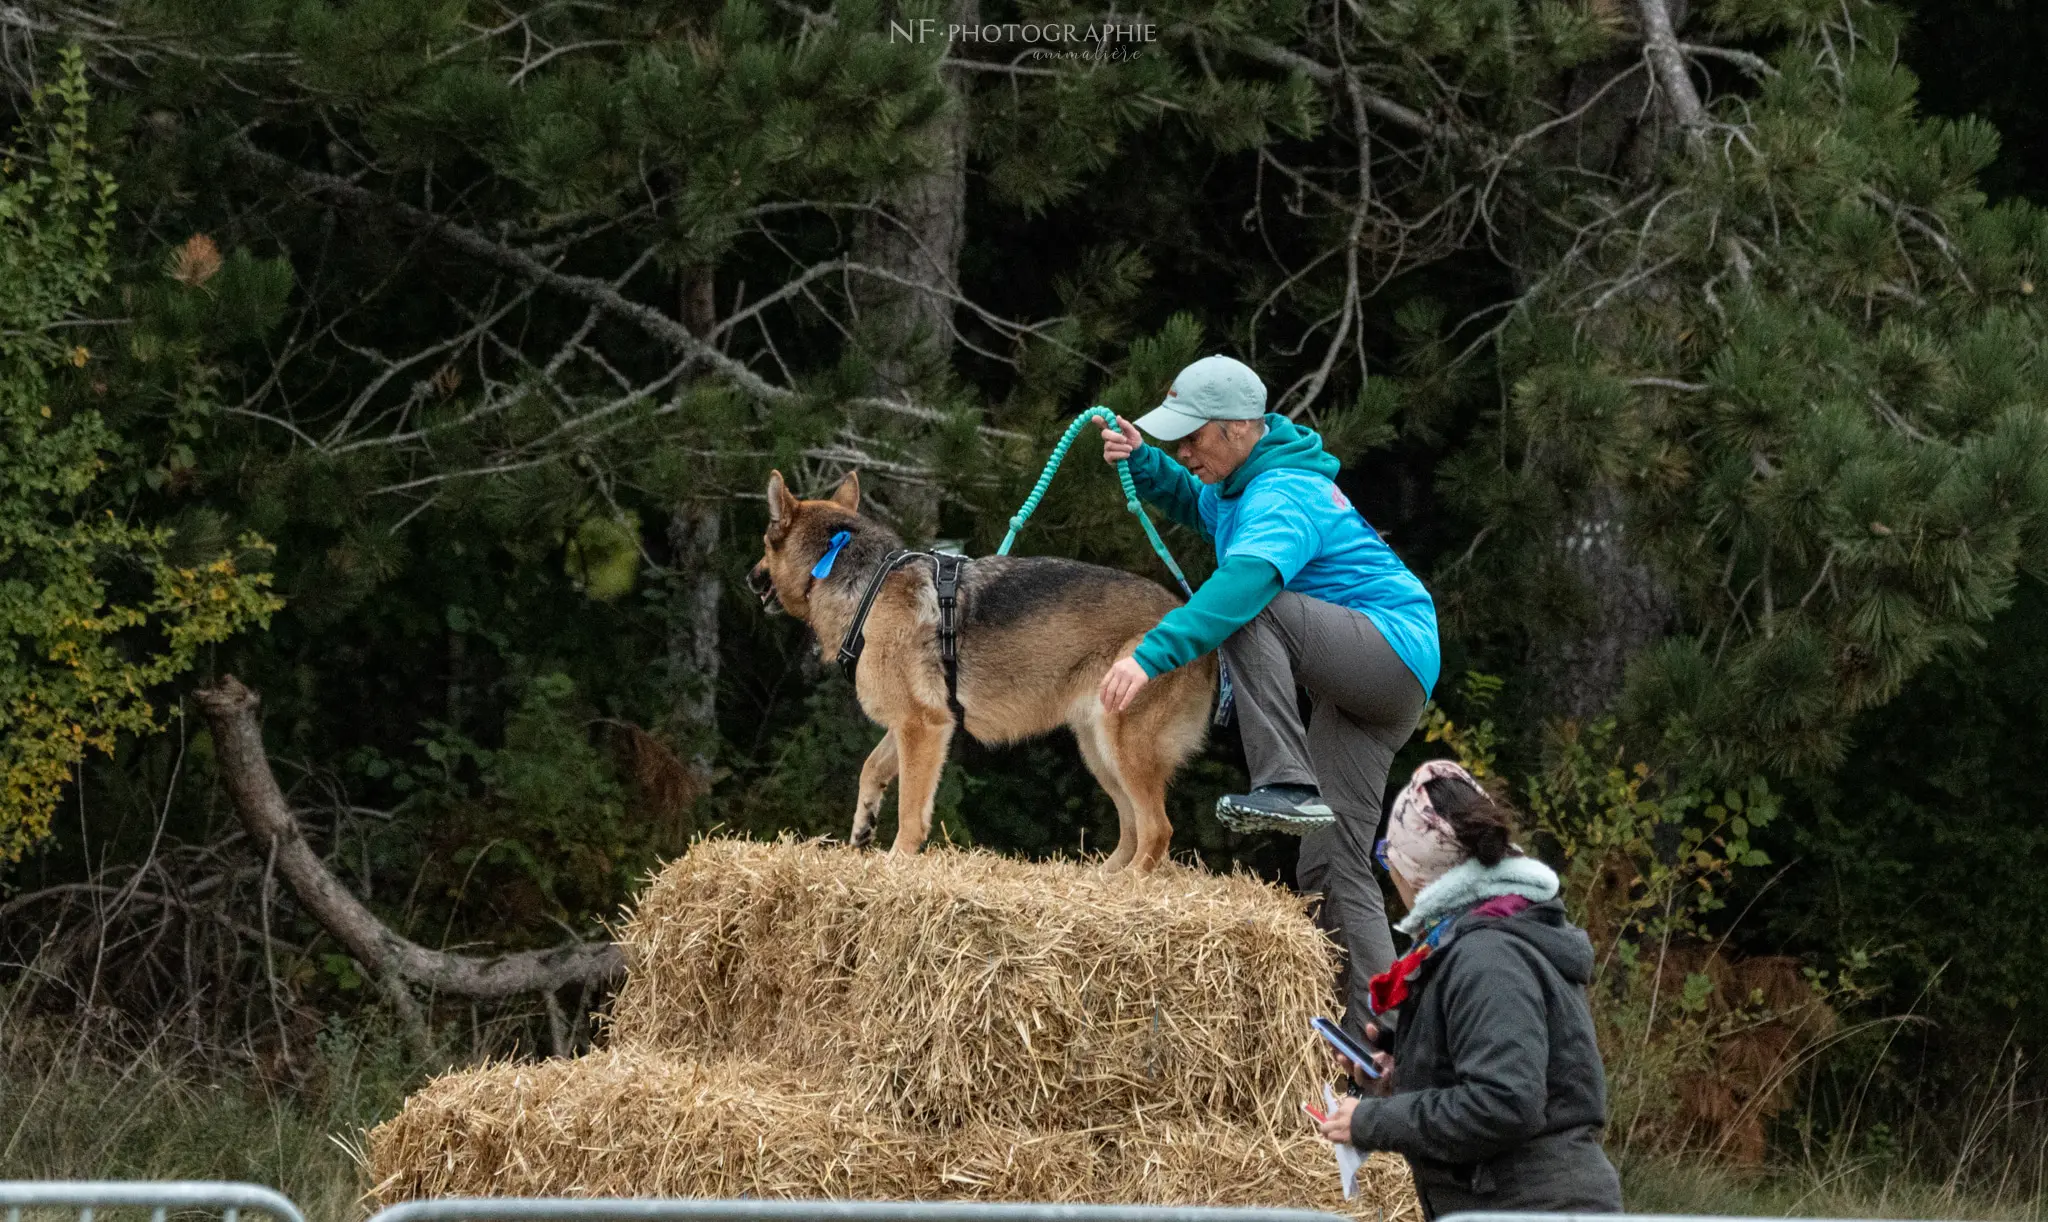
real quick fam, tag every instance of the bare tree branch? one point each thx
(601, 293)
(1322, 74)
(230, 710)
(1660, 43)
(1755, 65)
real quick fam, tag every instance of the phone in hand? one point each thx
(1351, 1049)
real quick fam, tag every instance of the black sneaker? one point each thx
(1287, 808)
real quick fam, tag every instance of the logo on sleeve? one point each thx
(1337, 497)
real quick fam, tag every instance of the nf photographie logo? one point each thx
(1040, 40)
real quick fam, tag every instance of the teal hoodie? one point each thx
(1279, 522)
(1167, 485)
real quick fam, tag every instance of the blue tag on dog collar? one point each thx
(823, 568)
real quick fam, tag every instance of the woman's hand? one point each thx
(1384, 1084)
(1338, 1126)
(1121, 684)
(1382, 1061)
(1349, 1068)
(1120, 442)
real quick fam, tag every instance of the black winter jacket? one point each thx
(1499, 1096)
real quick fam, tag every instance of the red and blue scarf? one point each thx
(1390, 988)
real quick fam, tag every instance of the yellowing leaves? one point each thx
(77, 665)
(89, 690)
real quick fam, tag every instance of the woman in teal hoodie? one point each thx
(1305, 594)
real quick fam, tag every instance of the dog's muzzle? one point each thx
(763, 587)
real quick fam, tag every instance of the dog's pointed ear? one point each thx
(781, 505)
(847, 494)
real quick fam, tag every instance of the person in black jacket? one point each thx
(1492, 1085)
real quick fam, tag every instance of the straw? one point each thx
(804, 1021)
(961, 987)
(633, 1123)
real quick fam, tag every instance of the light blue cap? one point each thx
(1213, 388)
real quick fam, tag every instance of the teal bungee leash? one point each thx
(1224, 695)
(1123, 476)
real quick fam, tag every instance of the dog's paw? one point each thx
(863, 835)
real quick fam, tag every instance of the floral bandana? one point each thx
(1420, 842)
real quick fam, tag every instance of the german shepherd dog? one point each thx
(1035, 636)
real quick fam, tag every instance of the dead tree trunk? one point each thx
(1628, 609)
(913, 243)
(914, 240)
(693, 536)
(395, 962)
(694, 530)
(1623, 132)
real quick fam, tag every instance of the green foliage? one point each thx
(95, 610)
(1646, 864)
(1684, 847)
(1643, 860)
(543, 824)
(1828, 435)
(1927, 846)
(603, 555)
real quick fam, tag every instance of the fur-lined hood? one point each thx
(1470, 883)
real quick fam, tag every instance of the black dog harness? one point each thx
(946, 581)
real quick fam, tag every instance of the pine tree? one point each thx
(563, 294)
(1808, 361)
(1759, 411)
(552, 288)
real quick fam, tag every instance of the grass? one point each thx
(72, 1117)
(65, 1114)
(1696, 1187)
(78, 1103)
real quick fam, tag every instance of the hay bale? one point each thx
(633, 1123)
(1173, 1163)
(962, 987)
(803, 1022)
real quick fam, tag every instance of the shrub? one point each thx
(1702, 1046)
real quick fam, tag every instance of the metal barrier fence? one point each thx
(160, 1197)
(623, 1209)
(1483, 1216)
(163, 1198)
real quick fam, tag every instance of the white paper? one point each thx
(1348, 1158)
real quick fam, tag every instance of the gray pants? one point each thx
(1364, 703)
